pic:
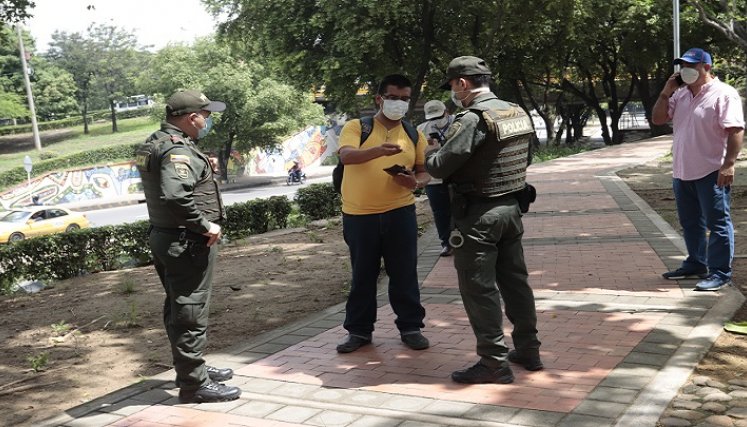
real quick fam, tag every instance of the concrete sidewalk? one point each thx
(618, 340)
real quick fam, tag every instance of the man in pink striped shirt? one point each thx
(708, 125)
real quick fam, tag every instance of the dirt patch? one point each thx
(261, 283)
(727, 359)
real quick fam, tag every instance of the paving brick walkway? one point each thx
(618, 341)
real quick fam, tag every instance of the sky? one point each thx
(155, 22)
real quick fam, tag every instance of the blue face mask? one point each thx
(202, 133)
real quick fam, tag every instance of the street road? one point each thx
(134, 213)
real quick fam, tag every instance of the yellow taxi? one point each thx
(19, 224)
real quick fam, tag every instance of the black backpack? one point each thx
(367, 124)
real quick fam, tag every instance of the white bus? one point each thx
(133, 103)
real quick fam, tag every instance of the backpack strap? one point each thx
(367, 124)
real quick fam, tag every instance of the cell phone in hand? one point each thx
(679, 80)
(395, 170)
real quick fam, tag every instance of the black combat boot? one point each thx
(210, 392)
(219, 374)
(530, 360)
(482, 374)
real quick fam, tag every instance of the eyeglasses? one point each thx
(396, 98)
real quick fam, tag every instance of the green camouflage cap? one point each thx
(191, 101)
(465, 66)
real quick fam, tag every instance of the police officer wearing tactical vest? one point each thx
(185, 210)
(484, 160)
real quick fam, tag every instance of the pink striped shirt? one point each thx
(700, 128)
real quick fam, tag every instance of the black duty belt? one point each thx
(183, 233)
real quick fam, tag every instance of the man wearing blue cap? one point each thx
(708, 125)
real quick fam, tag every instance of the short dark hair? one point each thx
(480, 80)
(397, 80)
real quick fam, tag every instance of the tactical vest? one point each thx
(206, 194)
(498, 166)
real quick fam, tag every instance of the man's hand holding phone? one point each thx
(388, 149)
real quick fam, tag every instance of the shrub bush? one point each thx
(66, 255)
(318, 201)
(280, 208)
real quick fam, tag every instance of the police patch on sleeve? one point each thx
(142, 160)
(179, 158)
(182, 170)
(453, 130)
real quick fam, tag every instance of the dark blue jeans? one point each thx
(700, 205)
(438, 197)
(392, 236)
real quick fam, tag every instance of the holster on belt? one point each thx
(458, 203)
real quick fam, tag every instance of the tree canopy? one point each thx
(551, 56)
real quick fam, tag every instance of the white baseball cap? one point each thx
(433, 109)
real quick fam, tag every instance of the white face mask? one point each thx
(394, 109)
(441, 122)
(458, 102)
(689, 75)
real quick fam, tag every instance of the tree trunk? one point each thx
(225, 155)
(114, 116)
(603, 123)
(85, 116)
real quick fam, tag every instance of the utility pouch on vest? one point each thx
(525, 197)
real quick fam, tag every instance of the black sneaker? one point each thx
(530, 362)
(415, 340)
(209, 393)
(352, 343)
(445, 250)
(219, 374)
(682, 273)
(481, 374)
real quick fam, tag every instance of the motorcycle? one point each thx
(294, 178)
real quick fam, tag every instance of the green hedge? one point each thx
(74, 121)
(319, 201)
(66, 255)
(100, 155)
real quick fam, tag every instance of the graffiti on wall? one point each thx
(77, 185)
(308, 147)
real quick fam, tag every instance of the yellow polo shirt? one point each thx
(366, 188)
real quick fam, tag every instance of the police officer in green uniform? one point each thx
(185, 210)
(484, 160)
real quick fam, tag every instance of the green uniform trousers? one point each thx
(489, 265)
(185, 267)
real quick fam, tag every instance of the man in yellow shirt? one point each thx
(379, 217)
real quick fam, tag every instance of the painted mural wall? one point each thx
(78, 185)
(309, 147)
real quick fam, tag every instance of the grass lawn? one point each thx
(72, 140)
